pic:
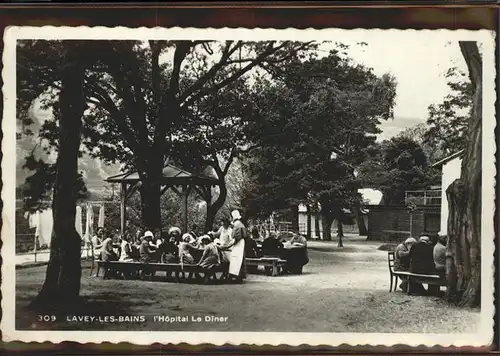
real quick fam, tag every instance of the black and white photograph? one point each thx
(265, 186)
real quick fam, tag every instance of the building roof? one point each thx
(449, 158)
(171, 175)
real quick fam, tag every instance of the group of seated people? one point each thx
(206, 250)
(153, 247)
(294, 251)
(421, 257)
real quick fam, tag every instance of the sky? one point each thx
(418, 62)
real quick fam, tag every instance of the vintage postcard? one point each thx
(236, 186)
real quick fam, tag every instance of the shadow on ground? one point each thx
(341, 290)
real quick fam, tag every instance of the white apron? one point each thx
(235, 257)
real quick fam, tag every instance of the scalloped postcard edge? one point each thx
(483, 337)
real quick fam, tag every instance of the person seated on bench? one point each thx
(127, 253)
(169, 251)
(272, 246)
(107, 252)
(251, 249)
(96, 242)
(296, 253)
(174, 234)
(439, 257)
(402, 259)
(158, 238)
(147, 252)
(297, 240)
(439, 254)
(194, 231)
(212, 255)
(139, 233)
(421, 261)
(186, 247)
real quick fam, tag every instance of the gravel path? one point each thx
(341, 290)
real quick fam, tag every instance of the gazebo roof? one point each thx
(172, 175)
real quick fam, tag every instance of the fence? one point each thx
(423, 197)
(286, 226)
(349, 229)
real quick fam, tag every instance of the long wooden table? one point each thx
(273, 265)
(129, 270)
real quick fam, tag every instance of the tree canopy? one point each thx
(310, 128)
(140, 95)
(448, 121)
(395, 166)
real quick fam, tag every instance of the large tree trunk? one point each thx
(150, 191)
(363, 231)
(340, 232)
(213, 208)
(61, 288)
(150, 204)
(326, 221)
(317, 217)
(210, 218)
(308, 231)
(464, 201)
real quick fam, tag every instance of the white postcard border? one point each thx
(484, 336)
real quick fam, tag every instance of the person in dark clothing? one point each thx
(251, 249)
(296, 254)
(421, 257)
(272, 246)
(194, 231)
(421, 261)
(107, 252)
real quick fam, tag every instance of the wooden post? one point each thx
(34, 248)
(123, 207)
(411, 224)
(308, 227)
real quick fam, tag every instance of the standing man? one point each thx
(235, 252)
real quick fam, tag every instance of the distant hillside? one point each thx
(391, 128)
(94, 171)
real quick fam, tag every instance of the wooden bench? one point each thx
(273, 265)
(429, 279)
(130, 270)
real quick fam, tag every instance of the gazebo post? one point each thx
(123, 206)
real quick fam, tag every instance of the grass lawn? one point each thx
(341, 290)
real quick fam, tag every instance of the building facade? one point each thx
(396, 222)
(451, 170)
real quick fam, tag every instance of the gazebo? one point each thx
(179, 180)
